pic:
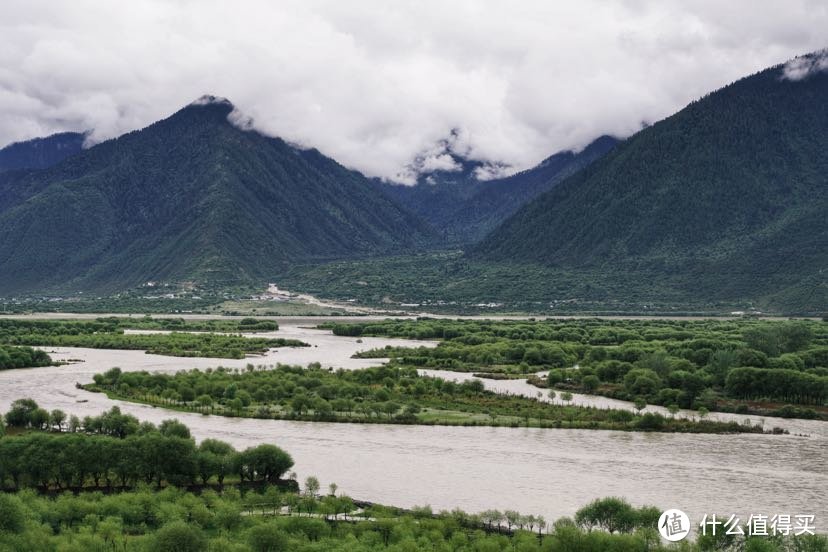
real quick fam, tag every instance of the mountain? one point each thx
(41, 152)
(464, 208)
(192, 197)
(726, 199)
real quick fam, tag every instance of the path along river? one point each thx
(550, 472)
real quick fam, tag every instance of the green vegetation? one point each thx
(115, 450)
(55, 471)
(181, 324)
(684, 202)
(464, 209)
(22, 357)
(189, 198)
(40, 153)
(449, 282)
(372, 395)
(108, 333)
(715, 364)
(250, 307)
(171, 299)
(173, 520)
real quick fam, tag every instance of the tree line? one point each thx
(22, 357)
(114, 449)
(172, 520)
(382, 394)
(675, 363)
(186, 338)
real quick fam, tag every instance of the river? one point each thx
(550, 472)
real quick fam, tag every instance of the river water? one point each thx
(550, 472)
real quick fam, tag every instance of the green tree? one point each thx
(12, 518)
(610, 514)
(312, 486)
(178, 536)
(639, 404)
(267, 537)
(20, 413)
(590, 383)
(56, 419)
(174, 428)
(205, 401)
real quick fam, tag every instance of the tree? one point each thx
(265, 462)
(39, 418)
(512, 517)
(312, 486)
(20, 413)
(74, 424)
(566, 396)
(109, 529)
(12, 519)
(639, 404)
(300, 403)
(174, 428)
(236, 405)
(178, 536)
(56, 419)
(215, 458)
(590, 383)
(610, 514)
(267, 537)
(205, 401)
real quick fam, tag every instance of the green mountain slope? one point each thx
(727, 198)
(41, 152)
(189, 197)
(464, 209)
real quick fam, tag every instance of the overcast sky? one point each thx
(374, 83)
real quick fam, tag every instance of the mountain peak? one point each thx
(209, 99)
(207, 109)
(190, 197)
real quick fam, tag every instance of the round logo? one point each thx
(674, 525)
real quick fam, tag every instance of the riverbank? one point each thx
(702, 473)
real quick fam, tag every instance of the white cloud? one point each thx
(802, 66)
(375, 83)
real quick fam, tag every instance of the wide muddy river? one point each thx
(551, 472)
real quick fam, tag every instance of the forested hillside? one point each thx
(464, 209)
(192, 197)
(726, 199)
(41, 152)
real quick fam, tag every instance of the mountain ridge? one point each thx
(727, 197)
(40, 153)
(190, 196)
(463, 209)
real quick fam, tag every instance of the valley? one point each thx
(376, 461)
(485, 278)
